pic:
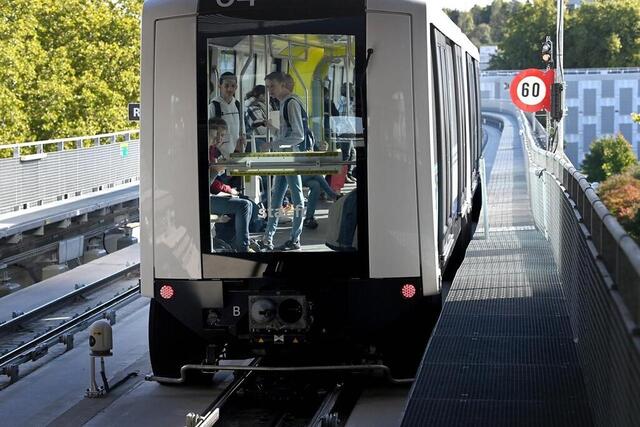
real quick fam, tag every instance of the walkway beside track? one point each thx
(38, 294)
(502, 353)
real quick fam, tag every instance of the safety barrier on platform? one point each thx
(37, 173)
(599, 265)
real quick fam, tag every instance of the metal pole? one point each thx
(485, 197)
(267, 69)
(560, 70)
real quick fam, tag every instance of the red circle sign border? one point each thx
(513, 90)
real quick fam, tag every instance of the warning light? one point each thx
(408, 291)
(166, 292)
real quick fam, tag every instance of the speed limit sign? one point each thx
(531, 90)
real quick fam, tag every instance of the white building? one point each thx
(486, 53)
(598, 102)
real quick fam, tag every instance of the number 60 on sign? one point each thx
(530, 90)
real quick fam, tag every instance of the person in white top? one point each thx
(228, 108)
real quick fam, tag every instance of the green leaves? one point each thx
(598, 34)
(67, 68)
(608, 156)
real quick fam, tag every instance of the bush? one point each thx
(621, 195)
(609, 156)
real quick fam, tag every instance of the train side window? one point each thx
(461, 101)
(447, 120)
(472, 111)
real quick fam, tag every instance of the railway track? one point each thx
(29, 336)
(259, 399)
(270, 396)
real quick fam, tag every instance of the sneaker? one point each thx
(310, 223)
(289, 245)
(265, 245)
(254, 246)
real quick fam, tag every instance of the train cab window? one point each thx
(284, 126)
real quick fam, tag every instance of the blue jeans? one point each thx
(348, 154)
(294, 182)
(242, 209)
(316, 184)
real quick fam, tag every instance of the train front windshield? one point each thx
(284, 130)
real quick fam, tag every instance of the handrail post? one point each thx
(485, 201)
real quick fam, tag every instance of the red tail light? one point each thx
(166, 292)
(408, 291)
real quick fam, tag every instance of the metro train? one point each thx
(394, 82)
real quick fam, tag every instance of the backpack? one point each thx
(218, 108)
(309, 141)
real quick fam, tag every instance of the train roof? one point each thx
(294, 9)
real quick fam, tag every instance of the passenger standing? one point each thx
(346, 107)
(256, 116)
(292, 134)
(228, 108)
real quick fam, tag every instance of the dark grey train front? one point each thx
(309, 177)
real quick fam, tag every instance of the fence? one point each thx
(37, 173)
(599, 265)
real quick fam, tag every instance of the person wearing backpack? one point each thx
(228, 108)
(293, 133)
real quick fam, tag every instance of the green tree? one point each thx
(465, 22)
(635, 117)
(524, 32)
(68, 68)
(608, 156)
(481, 35)
(604, 33)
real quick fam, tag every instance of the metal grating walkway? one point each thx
(502, 353)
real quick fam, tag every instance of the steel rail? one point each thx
(211, 415)
(55, 333)
(16, 321)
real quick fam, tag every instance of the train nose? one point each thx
(263, 310)
(290, 310)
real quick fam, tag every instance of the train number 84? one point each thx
(227, 3)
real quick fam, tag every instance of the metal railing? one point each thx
(41, 172)
(599, 266)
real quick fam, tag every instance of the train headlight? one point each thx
(263, 310)
(290, 310)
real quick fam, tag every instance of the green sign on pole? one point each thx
(124, 149)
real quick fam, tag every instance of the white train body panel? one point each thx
(393, 237)
(161, 218)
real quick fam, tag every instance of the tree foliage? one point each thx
(604, 33)
(609, 156)
(523, 33)
(601, 33)
(483, 25)
(621, 195)
(67, 68)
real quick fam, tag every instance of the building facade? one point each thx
(598, 102)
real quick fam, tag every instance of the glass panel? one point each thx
(283, 126)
